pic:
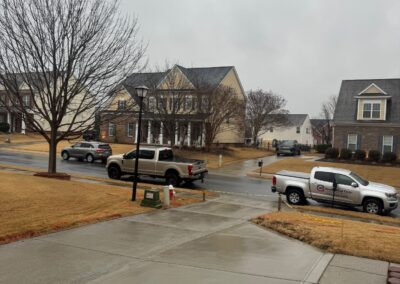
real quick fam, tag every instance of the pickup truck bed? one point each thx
(293, 174)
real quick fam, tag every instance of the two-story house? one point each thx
(298, 127)
(175, 108)
(367, 115)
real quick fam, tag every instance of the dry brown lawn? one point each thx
(387, 175)
(337, 235)
(32, 206)
(353, 214)
(20, 138)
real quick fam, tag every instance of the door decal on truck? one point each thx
(320, 187)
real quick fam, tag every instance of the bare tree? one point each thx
(264, 110)
(327, 112)
(223, 108)
(69, 56)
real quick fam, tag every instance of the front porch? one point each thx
(15, 120)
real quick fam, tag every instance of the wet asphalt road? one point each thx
(214, 182)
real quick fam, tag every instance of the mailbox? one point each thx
(260, 163)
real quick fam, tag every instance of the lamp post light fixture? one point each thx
(141, 92)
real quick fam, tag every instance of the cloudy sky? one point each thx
(300, 49)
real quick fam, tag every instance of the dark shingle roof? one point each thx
(209, 77)
(318, 122)
(346, 107)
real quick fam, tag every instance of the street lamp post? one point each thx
(141, 92)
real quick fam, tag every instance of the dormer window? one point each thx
(372, 110)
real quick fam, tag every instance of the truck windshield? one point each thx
(287, 143)
(359, 179)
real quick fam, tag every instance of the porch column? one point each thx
(176, 133)
(9, 120)
(23, 126)
(189, 133)
(136, 132)
(148, 132)
(161, 137)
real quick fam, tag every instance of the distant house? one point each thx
(367, 115)
(321, 131)
(175, 97)
(298, 128)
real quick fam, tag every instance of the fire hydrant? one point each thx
(171, 192)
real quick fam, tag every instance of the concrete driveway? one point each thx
(211, 242)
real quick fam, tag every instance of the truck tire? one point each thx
(114, 172)
(172, 178)
(295, 196)
(372, 206)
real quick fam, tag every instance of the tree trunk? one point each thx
(53, 153)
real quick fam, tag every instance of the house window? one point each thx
(204, 104)
(188, 103)
(121, 105)
(129, 129)
(298, 129)
(111, 129)
(307, 130)
(161, 103)
(387, 144)
(352, 142)
(271, 129)
(372, 110)
(26, 100)
(152, 104)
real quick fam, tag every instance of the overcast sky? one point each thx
(299, 49)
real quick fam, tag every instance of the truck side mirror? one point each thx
(354, 184)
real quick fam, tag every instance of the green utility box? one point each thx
(151, 199)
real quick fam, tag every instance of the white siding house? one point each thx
(298, 128)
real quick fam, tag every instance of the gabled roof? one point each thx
(296, 119)
(346, 107)
(209, 77)
(374, 87)
(318, 122)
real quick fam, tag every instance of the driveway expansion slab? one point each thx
(270, 255)
(35, 261)
(335, 275)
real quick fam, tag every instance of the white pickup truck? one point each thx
(157, 162)
(335, 186)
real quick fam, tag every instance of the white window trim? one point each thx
(372, 85)
(110, 134)
(133, 129)
(348, 140)
(383, 145)
(372, 102)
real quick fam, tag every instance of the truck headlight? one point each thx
(391, 195)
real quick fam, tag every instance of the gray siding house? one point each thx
(367, 115)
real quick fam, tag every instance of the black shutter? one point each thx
(358, 142)
(380, 143)
(395, 144)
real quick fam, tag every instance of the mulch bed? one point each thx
(62, 176)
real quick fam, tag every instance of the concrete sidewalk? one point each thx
(210, 242)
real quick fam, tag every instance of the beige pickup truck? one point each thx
(157, 162)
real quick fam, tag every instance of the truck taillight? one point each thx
(274, 180)
(190, 169)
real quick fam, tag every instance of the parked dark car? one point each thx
(288, 147)
(90, 151)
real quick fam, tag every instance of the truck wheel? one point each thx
(372, 206)
(114, 172)
(172, 178)
(65, 155)
(295, 196)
